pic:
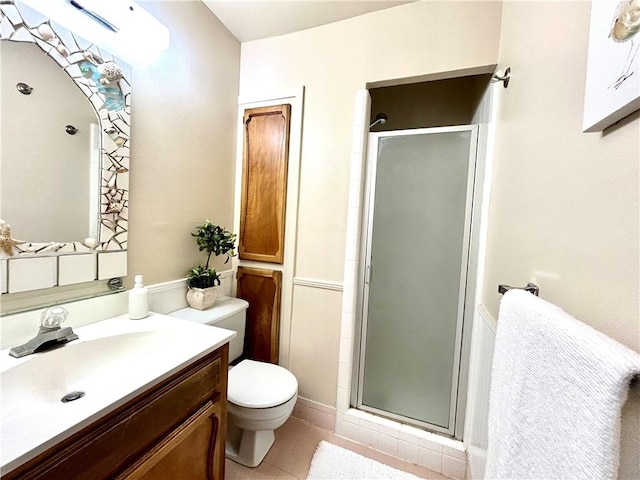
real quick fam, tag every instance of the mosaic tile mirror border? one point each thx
(104, 81)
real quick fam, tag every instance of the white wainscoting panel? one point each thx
(171, 296)
(477, 417)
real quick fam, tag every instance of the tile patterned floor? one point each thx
(291, 454)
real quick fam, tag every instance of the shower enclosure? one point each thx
(417, 228)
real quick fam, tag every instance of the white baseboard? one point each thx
(315, 413)
(435, 452)
(438, 453)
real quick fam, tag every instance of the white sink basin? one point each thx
(113, 361)
(77, 366)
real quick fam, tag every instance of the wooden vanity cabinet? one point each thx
(174, 431)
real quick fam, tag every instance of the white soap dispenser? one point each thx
(138, 300)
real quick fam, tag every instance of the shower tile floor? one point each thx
(291, 454)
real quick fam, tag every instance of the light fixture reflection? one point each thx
(122, 27)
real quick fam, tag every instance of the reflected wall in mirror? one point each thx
(64, 155)
(37, 150)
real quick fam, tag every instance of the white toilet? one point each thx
(260, 396)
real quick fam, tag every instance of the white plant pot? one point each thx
(202, 298)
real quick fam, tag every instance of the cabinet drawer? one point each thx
(109, 445)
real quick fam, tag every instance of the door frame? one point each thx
(466, 300)
(295, 97)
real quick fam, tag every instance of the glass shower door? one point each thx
(418, 226)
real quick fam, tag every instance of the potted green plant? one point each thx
(202, 281)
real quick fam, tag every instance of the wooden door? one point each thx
(262, 289)
(264, 183)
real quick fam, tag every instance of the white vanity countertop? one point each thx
(113, 361)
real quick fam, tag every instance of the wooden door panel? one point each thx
(262, 289)
(264, 183)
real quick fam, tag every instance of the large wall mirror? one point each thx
(64, 156)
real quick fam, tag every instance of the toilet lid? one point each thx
(260, 385)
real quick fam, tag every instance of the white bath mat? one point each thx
(331, 462)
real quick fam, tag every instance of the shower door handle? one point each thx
(367, 275)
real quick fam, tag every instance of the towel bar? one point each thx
(530, 287)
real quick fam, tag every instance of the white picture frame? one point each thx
(612, 89)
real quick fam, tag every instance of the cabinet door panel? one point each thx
(261, 288)
(264, 183)
(187, 453)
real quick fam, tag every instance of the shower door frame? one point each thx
(465, 307)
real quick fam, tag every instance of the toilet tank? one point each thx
(227, 312)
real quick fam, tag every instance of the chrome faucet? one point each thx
(49, 335)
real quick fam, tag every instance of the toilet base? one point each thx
(248, 447)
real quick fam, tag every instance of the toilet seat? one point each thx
(260, 385)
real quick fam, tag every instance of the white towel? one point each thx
(557, 390)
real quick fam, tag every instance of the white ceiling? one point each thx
(252, 20)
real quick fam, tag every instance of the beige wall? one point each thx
(564, 205)
(184, 110)
(332, 62)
